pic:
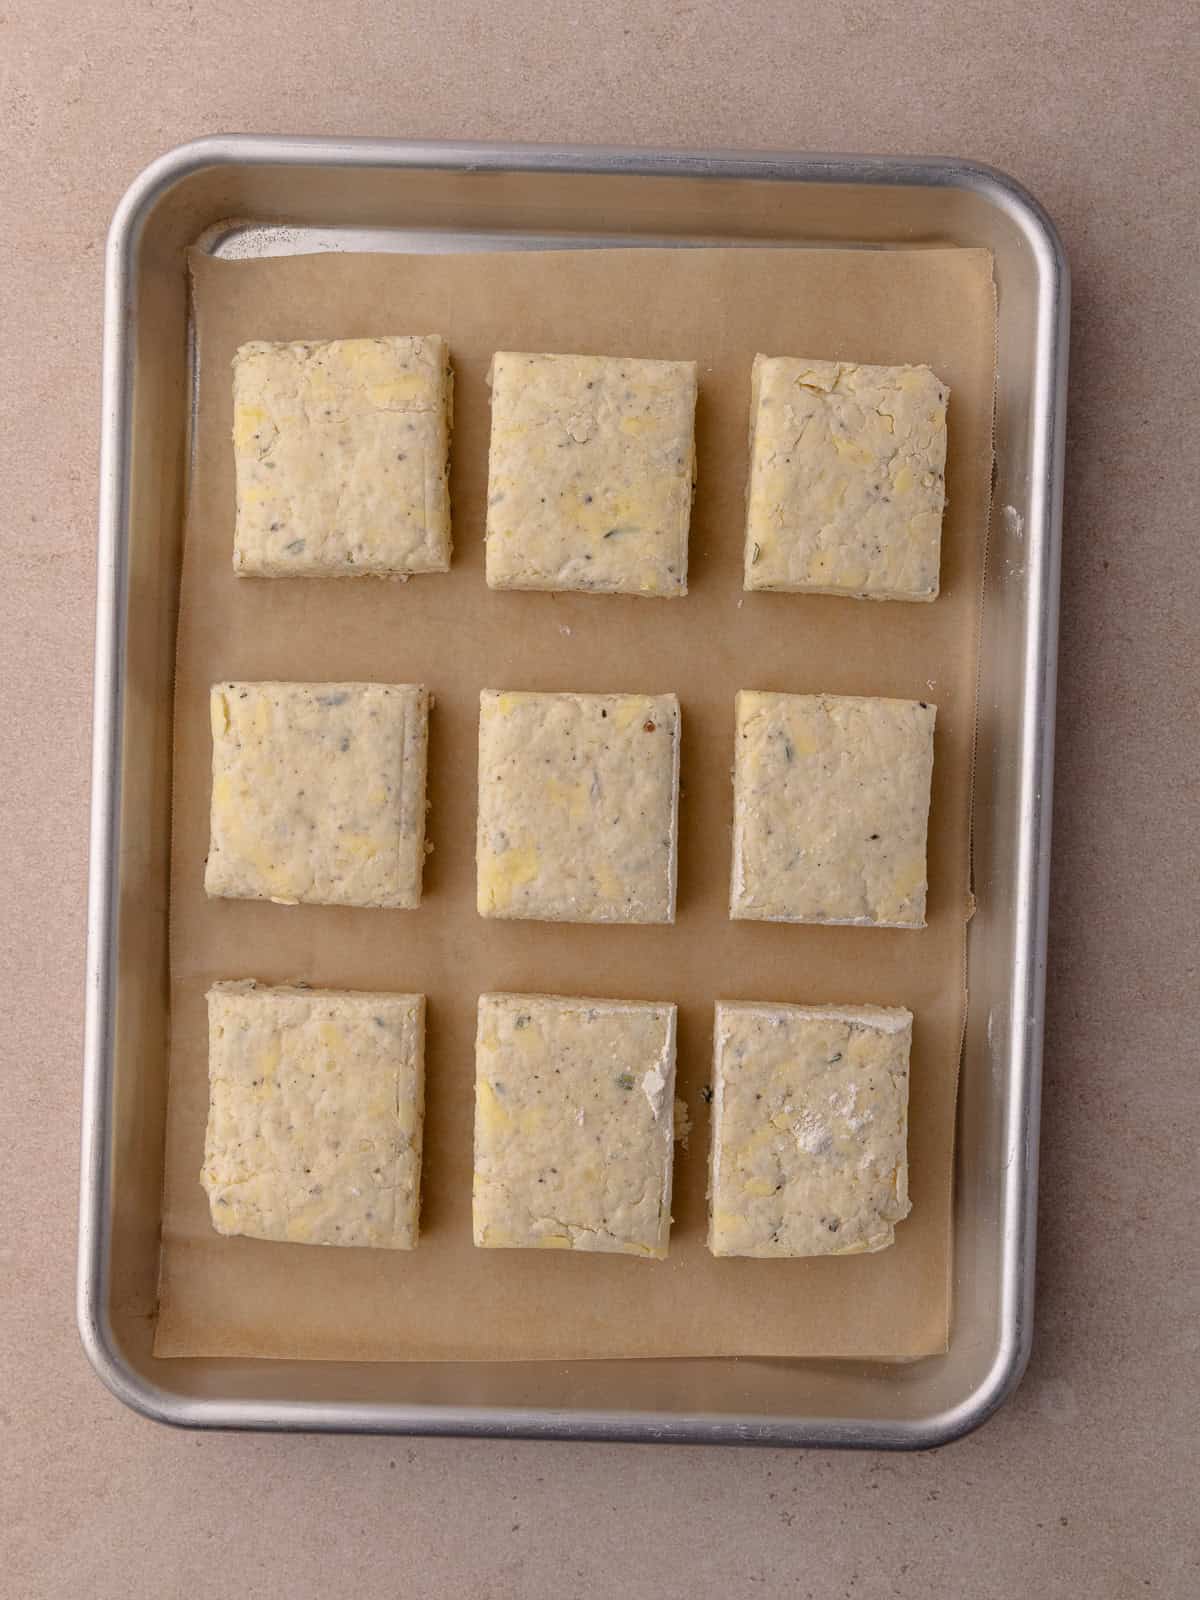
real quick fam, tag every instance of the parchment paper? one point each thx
(241, 1297)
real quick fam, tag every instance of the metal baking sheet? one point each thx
(255, 196)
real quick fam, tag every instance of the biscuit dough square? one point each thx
(342, 456)
(831, 809)
(574, 1124)
(578, 805)
(809, 1153)
(318, 793)
(316, 1104)
(847, 479)
(590, 473)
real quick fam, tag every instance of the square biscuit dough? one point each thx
(809, 1153)
(590, 473)
(318, 793)
(847, 479)
(578, 806)
(831, 809)
(342, 456)
(574, 1124)
(316, 1104)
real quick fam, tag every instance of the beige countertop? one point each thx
(1086, 1484)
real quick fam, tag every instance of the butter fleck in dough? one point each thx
(574, 1111)
(831, 809)
(578, 804)
(318, 793)
(316, 1105)
(847, 479)
(342, 457)
(809, 1153)
(590, 473)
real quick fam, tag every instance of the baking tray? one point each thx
(248, 196)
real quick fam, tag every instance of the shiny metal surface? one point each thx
(243, 195)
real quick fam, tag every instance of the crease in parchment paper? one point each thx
(447, 1300)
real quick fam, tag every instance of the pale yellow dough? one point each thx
(318, 793)
(809, 1153)
(590, 473)
(578, 801)
(847, 479)
(574, 1111)
(342, 456)
(831, 809)
(316, 1103)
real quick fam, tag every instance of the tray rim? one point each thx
(1036, 757)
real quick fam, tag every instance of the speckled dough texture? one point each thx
(342, 457)
(831, 809)
(318, 793)
(847, 479)
(591, 467)
(809, 1130)
(578, 803)
(574, 1123)
(316, 1104)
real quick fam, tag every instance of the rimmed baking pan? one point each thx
(243, 195)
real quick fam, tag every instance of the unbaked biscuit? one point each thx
(831, 809)
(574, 1112)
(318, 793)
(809, 1129)
(342, 456)
(590, 473)
(316, 1103)
(847, 479)
(578, 803)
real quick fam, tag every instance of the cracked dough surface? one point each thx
(578, 802)
(809, 1153)
(342, 454)
(316, 1105)
(847, 479)
(574, 1113)
(318, 793)
(831, 809)
(590, 473)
